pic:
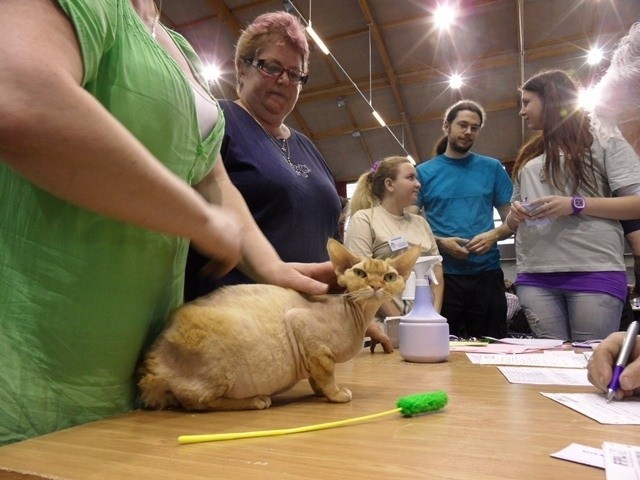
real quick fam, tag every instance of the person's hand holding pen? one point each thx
(602, 365)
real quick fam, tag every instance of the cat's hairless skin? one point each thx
(235, 348)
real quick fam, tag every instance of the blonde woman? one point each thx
(380, 227)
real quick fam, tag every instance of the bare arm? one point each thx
(616, 208)
(56, 135)
(260, 261)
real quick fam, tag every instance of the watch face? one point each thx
(578, 202)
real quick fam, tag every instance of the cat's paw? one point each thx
(341, 396)
(260, 402)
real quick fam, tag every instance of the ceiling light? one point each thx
(444, 16)
(588, 98)
(211, 73)
(455, 81)
(379, 118)
(312, 33)
(595, 56)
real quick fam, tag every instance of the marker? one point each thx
(627, 346)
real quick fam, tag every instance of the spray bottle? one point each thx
(423, 333)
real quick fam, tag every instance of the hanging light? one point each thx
(455, 81)
(595, 56)
(312, 33)
(444, 16)
(379, 118)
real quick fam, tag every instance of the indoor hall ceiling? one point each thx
(400, 63)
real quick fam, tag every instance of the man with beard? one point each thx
(459, 190)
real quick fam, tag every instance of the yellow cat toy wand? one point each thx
(409, 406)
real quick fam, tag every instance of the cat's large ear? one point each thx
(405, 262)
(341, 257)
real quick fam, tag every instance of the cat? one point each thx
(238, 346)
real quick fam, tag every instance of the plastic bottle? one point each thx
(423, 334)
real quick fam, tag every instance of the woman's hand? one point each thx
(600, 367)
(551, 206)
(377, 335)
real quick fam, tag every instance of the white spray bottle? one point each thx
(423, 334)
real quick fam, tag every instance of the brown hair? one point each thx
(370, 188)
(451, 114)
(566, 129)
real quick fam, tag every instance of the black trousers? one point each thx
(475, 305)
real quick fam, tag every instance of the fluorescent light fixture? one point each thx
(413, 162)
(379, 118)
(312, 33)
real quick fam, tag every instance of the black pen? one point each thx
(627, 346)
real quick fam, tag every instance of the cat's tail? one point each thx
(155, 391)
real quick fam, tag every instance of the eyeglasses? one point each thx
(274, 69)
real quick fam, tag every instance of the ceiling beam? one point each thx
(391, 76)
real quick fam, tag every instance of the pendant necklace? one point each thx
(299, 169)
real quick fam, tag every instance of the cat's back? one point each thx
(232, 296)
(238, 316)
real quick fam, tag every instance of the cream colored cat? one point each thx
(235, 348)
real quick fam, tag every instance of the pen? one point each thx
(627, 345)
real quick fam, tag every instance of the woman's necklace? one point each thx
(156, 19)
(299, 169)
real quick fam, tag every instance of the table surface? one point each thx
(490, 429)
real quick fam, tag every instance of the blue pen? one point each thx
(627, 346)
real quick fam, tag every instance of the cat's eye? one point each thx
(391, 277)
(359, 273)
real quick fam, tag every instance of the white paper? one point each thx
(594, 405)
(566, 359)
(622, 462)
(490, 348)
(581, 454)
(533, 342)
(546, 376)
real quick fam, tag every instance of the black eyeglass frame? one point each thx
(260, 64)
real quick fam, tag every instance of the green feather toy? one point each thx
(408, 406)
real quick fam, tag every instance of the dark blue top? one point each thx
(296, 214)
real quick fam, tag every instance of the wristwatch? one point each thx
(578, 204)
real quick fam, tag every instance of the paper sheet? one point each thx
(594, 405)
(566, 359)
(490, 348)
(577, 453)
(622, 462)
(538, 343)
(546, 376)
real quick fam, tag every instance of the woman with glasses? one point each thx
(281, 174)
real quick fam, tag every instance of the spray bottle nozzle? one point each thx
(424, 269)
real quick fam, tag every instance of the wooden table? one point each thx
(490, 430)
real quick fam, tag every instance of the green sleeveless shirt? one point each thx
(80, 294)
